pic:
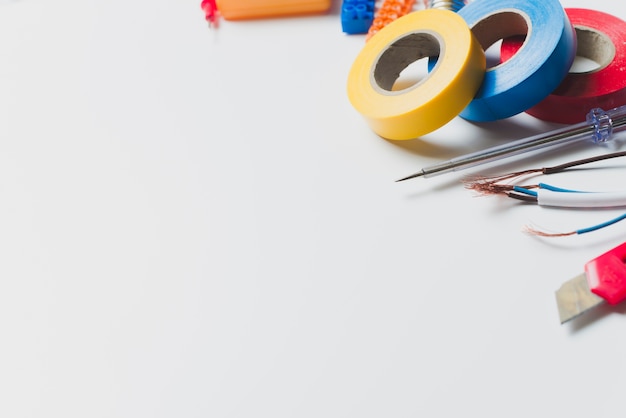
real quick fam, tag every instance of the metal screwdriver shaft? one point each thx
(599, 127)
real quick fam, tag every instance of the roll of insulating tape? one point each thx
(539, 66)
(601, 39)
(433, 101)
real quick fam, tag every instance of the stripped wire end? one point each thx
(536, 232)
(210, 12)
(489, 188)
(489, 184)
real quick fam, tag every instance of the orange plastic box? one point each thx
(256, 9)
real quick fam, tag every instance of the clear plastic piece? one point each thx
(602, 125)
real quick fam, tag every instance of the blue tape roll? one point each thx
(535, 70)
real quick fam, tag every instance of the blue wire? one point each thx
(557, 189)
(602, 225)
(544, 186)
(525, 191)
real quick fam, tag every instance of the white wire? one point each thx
(581, 200)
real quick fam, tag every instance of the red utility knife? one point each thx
(604, 280)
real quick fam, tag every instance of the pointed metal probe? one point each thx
(412, 176)
(599, 126)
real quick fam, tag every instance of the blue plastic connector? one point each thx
(357, 16)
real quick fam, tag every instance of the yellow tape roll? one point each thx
(433, 101)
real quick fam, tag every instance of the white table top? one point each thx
(197, 223)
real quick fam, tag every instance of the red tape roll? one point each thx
(602, 39)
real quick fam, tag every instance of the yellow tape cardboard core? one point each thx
(436, 99)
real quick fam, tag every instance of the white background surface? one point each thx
(197, 223)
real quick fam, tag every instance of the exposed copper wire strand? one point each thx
(489, 188)
(533, 231)
(489, 185)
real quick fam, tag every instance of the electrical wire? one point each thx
(547, 195)
(581, 200)
(534, 231)
(490, 184)
(543, 194)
